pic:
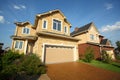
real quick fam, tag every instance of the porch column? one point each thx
(25, 47)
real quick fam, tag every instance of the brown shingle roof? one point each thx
(81, 29)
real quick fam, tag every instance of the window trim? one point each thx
(66, 29)
(58, 20)
(43, 24)
(18, 44)
(26, 28)
(92, 37)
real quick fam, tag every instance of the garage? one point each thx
(58, 54)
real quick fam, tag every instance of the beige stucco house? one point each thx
(90, 37)
(49, 38)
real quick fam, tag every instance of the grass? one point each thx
(113, 66)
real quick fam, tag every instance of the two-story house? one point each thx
(90, 37)
(49, 38)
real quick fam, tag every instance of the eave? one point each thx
(24, 37)
(58, 36)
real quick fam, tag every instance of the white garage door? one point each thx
(58, 54)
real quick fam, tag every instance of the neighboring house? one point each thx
(90, 37)
(49, 38)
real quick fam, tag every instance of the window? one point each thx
(18, 44)
(65, 29)
(26, 30)
(45, 24)
(56, 25)
(91, 36)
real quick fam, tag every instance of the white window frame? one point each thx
(58, 20)
(92, 37)
(18, 48)
(25, 32)
(43, 24)
(66, 29)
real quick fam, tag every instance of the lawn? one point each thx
(113, 66)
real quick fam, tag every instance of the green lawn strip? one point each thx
(115, 67)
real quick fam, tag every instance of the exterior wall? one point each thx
(85, 37)
(20, 29)
(82, 48)
(51, 40)
(20, 50)
(110, 51)
(95, 33)
(49, 20)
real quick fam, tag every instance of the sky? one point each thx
(104, 13)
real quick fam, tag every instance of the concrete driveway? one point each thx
(79, 71)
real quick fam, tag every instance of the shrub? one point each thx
(14, 64)
(105, 57)
(89, 55)
(117, 57)
(32, 65)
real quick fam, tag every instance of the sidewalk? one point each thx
(44, 77)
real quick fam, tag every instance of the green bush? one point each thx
(89, 55)
(117, 57)
(105, 57)
(14, 64)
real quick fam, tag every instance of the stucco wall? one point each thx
(38, 49)
(85, 37)
(20, 29)
(20, 50)
(49, 20)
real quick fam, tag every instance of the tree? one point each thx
(117, 49)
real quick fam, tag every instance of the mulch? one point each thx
(79, 71)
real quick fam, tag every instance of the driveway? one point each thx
(79, 71)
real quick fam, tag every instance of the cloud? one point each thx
(108, 6)
(19, 7)
(109, 28)
(2, 20)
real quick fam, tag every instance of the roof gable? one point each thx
(50, 13)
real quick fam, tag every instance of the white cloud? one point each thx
(22, 6)
(109, 28)
(18, 7)
(2, 20)
(108, 6)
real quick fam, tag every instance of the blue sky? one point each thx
(104, 13)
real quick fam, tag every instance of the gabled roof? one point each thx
(48, 13)
(104, 41)
(81, 29)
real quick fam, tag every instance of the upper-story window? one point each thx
(44, 24)
(56, 25)
(26, 30)
(91, 36)
(18, 44)
(65, 29)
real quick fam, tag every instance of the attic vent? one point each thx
(76, 29)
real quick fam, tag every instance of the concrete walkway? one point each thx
(44, 77)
